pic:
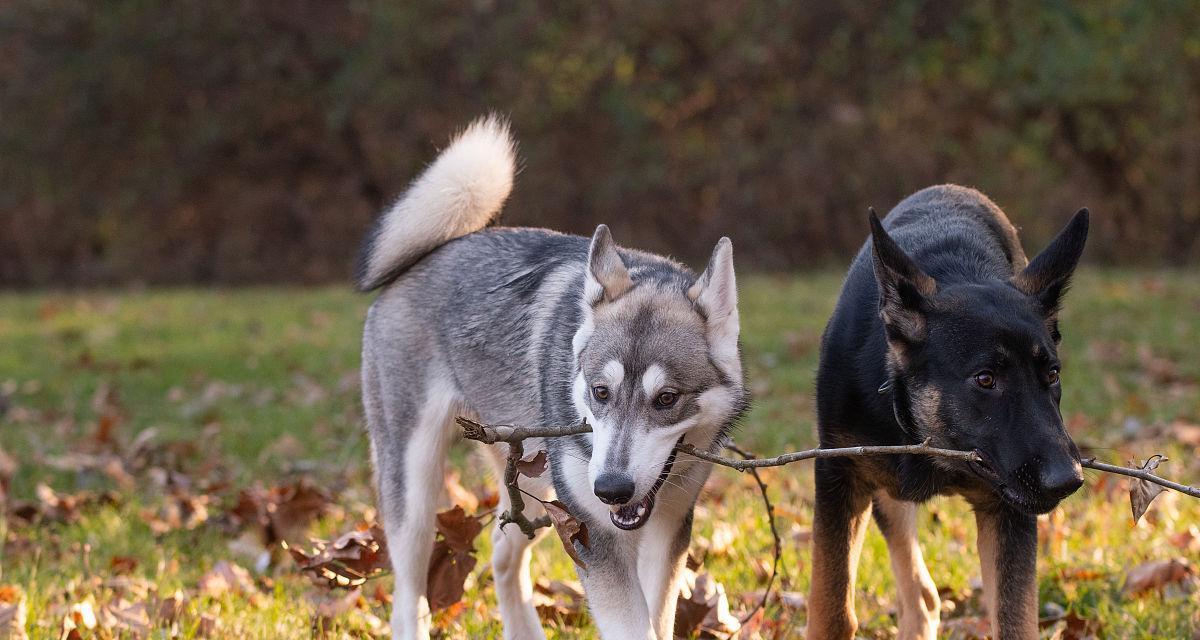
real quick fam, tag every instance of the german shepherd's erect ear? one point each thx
(1049, 274)
(904, 289)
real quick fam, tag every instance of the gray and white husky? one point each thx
(528, 326)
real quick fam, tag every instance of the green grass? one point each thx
(259, 385)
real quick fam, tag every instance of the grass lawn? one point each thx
(259, 387)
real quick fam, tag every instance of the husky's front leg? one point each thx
(510, 564)
(661, 557)
(614, 596)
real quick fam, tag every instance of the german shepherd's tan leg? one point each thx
(839, 526)
(1007, 543)
(920, 607)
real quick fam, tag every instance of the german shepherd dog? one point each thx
(944, 332)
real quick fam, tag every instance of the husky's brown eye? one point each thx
(600, 392)
(666, 398)
(1052, 376)
(986, 379)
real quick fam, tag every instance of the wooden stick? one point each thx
(491, 434)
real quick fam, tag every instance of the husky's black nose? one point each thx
(1060, 480)
(614, 488)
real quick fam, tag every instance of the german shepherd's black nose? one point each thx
(1060, 480)
(613, 488)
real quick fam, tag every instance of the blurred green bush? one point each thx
(250, 141)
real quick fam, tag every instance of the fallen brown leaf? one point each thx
(13, 613)
(453, 557)
(52, 506)
(1156, 575)
(122, 565)
(125, 619)
(569, 530)
(167, 610)
(1073, 627)
(347, 562)
(181, 510)
(1186, 433)
(703, 605)
(280, 513)
(227, 577)
(458, 529)
(968, 628)
(559, 601)
(1187, 540)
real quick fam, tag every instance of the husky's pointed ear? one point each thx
(607, 278)
(1049, 274)
(715, 296)
(904, 289)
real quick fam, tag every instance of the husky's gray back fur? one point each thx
(517, 326)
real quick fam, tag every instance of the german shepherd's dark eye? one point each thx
(1052, 376)
(986, 379)
(600, 392)
(666, 399)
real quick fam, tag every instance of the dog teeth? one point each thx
(641, 510)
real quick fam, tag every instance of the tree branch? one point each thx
(491, 434)
(844, 452)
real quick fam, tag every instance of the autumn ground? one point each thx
(153, 440)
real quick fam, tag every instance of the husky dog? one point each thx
(944, 331)
(528, 326)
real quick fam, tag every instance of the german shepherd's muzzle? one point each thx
(944, 332)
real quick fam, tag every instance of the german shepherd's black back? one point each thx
(945, 332)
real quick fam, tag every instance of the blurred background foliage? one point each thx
(252, 141)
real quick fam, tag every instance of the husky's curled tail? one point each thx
(460, 193)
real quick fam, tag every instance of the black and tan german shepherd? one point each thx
(944, 332)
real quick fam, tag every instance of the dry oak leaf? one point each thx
(1156, 575)
(703, 605)
(282, 512)
(125, 619)
(1072, 627)
(13, 613)
(227, 577)
(1142, 492)
(967, 628)
(453, 557)
(347, 562)
(559, 601)
(569, 530)
(533, 466)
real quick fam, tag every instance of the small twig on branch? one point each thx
(516, 511)
(1091, 463)
(778, 542)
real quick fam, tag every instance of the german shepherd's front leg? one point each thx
(1007, 543)
(839, 525)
